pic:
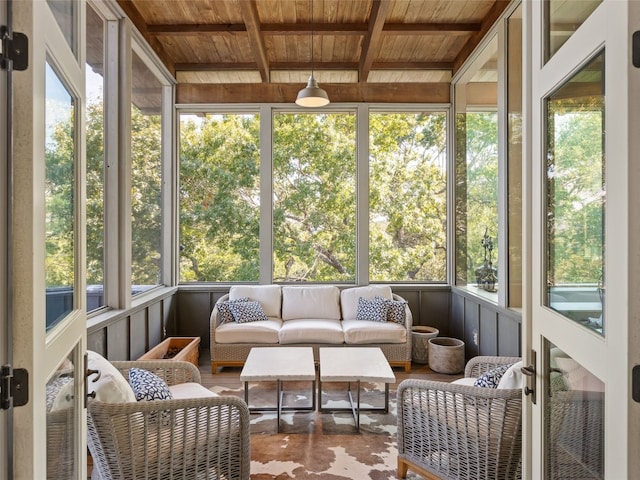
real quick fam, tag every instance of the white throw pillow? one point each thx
(349, 298)
(512, 378)
(269, 296)
(311, 302)
(111, 387)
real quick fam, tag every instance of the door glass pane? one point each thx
(60, 151)
(220, 197)
(94, 74)
(562, 18)
(476, 223)
(575, 195)
(574, 419)
(61, 422)
(408, 197)
(65, 11)
(314, 199)
(146, 177)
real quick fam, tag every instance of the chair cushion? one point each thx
(224, 309)
(148, 386)
(372, 310)
(349, 298)
(190, 390)
(244, 312)
(311, 330)
(310, 302)
(251, 332)
(361, 332)
(269, 296)
(111, 387)
(396, 310)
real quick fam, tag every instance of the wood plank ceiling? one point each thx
(230, 51)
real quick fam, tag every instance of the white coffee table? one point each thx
(355, 364)
(279, 364)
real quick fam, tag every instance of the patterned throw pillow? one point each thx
(372, 310)
(491, 378)
(148, 386)
(244, 312)
(224, 309)
(395, 310)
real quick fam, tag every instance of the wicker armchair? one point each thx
(194, 438)
(453, 431)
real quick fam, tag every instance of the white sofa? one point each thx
(318, 315)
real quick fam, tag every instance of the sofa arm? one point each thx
(172, 372)
(214, 319)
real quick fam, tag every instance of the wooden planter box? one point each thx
(175, 348)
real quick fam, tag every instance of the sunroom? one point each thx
(160, 153)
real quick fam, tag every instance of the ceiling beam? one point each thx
(136, 18)
(487, 23)
(220, 66)
(371, 44)
(252, 22)
(339, 93)
(303, 29)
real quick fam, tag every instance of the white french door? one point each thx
(47, 244)
(582, 305)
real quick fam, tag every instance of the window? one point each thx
(60, 158)
(575, 191)
(477, 173)
(408, 197)
(94, 74)
(146, 177)
(314, 201)
(219, 197)
(562, 19)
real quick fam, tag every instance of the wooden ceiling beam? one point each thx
(371, 44)
(476, 38)
(136, 18)
(431, 28)
(194, 67)
(196, 29)
(338, 93)
(252, 22)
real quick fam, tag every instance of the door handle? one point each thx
(529, 371)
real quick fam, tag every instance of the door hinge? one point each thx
(14, 387)
(14, 49)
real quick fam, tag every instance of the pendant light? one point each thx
(312, 95)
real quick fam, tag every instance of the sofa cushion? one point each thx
(244, 312)
(269, 296)
(311, 330)
(310, 302)
(396, 310)
(251, 332)
(372, 310)
(349, 298)
(362, 332)
(148, 386)
(491, 378)
(190, 390)
(512, 378)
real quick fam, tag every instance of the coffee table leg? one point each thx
(279, 405)
(246, 393)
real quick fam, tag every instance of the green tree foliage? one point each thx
(219, 198)
(314, 163)
(407, 197)
(95, 194)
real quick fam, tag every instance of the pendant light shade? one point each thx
(312, 95)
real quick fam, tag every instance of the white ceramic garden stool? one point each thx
(420, 336)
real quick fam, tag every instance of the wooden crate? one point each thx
(187, 350)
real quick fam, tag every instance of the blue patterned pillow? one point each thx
(491, 378)
(244, 312)
(395, 310)
(224, 309)
(148, 386)
(372, 310)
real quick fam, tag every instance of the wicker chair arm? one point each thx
(178, 438)
(172, 372)
(482, 363)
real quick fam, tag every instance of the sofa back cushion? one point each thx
(349, 298)
(269, 296)
(311, 302)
